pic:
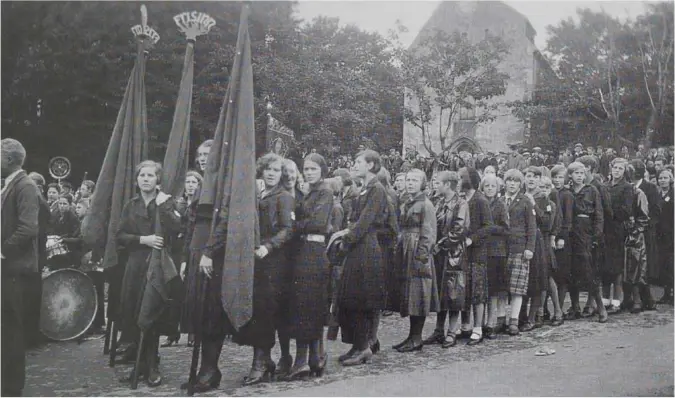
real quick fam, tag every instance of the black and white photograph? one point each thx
(337, 198)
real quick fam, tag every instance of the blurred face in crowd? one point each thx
(545, 187)
(658, 165)
(65, 190)
(202, 156)
(664, 181)
(413, 183)
(618, 170)
(147, 179)
(490, 188)
(81, 210)
(63, 205)
(641, 148)
(399, 184)
(558, 180)
(311, 171)
(578, 176)
(435, 184)
(272, 174)
(650, 164)
(532, 181)
(291, 176)
(361, 167)
(489, 170)
(84, 191)
(52, 194)
(512, 186)
(191, 185)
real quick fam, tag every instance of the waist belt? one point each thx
(314, 238)
(583, 215)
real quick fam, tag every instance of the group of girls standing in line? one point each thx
(465, 243)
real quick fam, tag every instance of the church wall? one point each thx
(474, 17)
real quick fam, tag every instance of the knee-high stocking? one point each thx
(553, 288)
(516, 303)
(416, 327)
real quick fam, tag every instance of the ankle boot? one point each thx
(151, 358)
(260, 368)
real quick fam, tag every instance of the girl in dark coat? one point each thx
(137, 239)
(452, 220)
(549, 223)
(521, 242)
(307, 310)
(565, 203)
(621, 195)
(498, 273)
(293, 182)
(664, 229)
(414, 256)
(477, 252)
(275, 212)
(361, 293)
(203, 314)
(587, 226)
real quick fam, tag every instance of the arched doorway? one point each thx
(464, 143)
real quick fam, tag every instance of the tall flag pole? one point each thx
(127, 148)
(229, 182)
(162, 270)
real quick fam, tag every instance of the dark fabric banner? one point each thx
(116, 183)
(229, 182)
(162, 269)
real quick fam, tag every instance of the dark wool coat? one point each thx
(622, 197)
(651, 240)
(522, 225)
(310, 266)
(362, 285)
(138, 220)
(275, 213)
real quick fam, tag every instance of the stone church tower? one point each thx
(522, 65)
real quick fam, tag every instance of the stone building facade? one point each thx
(523, 65)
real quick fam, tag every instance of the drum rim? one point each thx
(91, 321)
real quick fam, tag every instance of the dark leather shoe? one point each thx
(437, 337)
(260, 375)
(154, 377)
(572, 315)
(603, 318)
(298, 373)
(360, 358)
(208, 381)
(410, 346)
(637, 308)
(318, 369)
(527, 327)
(450, 341)
(348, 354)
(557, 321)
(538, 322)
(401, 344)
(284, 366)
(513, 330)
(475, 341)
(375, 348)
(489, 333)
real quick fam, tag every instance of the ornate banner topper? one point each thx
(143, 29)
(194, 24)
(59, 167)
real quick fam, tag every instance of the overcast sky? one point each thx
(382, 15)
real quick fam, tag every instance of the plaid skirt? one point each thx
(519, 272)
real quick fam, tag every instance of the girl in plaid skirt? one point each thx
(521, 241)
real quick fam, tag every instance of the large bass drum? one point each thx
(69, 304)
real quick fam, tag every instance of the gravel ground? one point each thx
(72, 369)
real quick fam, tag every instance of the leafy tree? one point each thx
(448, 73)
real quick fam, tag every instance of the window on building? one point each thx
(468, 113)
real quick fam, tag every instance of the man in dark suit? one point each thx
(20, 227)
(654, 199)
